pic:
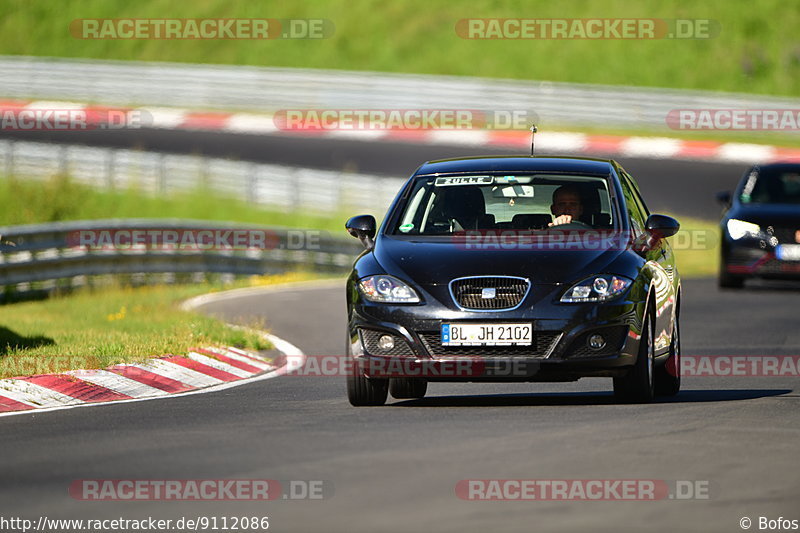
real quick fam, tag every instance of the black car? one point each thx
(524, 268)
(761, 226)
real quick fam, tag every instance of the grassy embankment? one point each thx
(104, 325)
(419, 36)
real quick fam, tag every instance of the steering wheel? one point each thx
(575, 224)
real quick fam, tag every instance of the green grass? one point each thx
(97, 328)
(59, 198)
(696, 248)
(755, 51)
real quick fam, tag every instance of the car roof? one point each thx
(584, 165)
(780, 166)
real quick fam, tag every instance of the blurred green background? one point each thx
(757, 49)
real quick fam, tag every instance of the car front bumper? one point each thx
(559, 351)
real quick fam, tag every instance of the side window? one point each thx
(636, 210)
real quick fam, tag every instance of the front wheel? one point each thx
(726, 280)
(668, 376)
(637, 385)
(364, 391)
(361, 390)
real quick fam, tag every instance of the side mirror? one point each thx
(363, 228)
(724, 198)
(662, 226)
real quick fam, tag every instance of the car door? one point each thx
(660, 262)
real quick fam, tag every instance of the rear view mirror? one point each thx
(724, 198)
(363, 228)
(662, 226)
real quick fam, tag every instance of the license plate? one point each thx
(788, 252)
(469, 334)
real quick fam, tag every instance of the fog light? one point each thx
(386, 342)
(596, 342)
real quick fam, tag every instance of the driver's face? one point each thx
(567, 203)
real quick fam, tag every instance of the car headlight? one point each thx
(596, 289)
(387, 289)
(739, 229)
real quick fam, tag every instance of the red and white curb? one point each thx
(546, 141)
(203, 370)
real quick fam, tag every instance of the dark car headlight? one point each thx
(387, 289)
(597, 289)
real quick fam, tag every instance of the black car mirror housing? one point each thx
(724, 198)
(362, 227)
(662, 226)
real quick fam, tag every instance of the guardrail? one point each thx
(271, 89)
(274, 186)
(43, 257)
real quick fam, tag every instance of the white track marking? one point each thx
(745, 153)
(557, 141)
(246, 123)
(293, 363)
(459, 137)
(358, 135)
(117, 383)
(230, 354)
(33, 394)
(48, 104)
(654, 147)
(219, 365)
(162, 117)
(179, 373)
(204, 299)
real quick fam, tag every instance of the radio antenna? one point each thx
(534, 129)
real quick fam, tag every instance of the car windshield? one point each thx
(441, 205)
(772, 187)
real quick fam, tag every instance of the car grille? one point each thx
(369, 337)
(785, 235)
(543, 344)
(508, 292)
(776, 266)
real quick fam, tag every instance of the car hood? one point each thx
(436, 263)
(779, 215)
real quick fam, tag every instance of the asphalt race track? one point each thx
(396, 468)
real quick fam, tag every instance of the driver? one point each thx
(567, 205)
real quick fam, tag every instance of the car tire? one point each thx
(725, 280)
(637, 386)
(668, 375)
(361, 390)
(408, 388)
